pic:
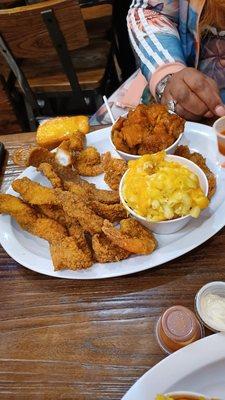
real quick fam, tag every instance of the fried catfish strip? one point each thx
(29, 220)
(48, 171)
(112, 212)
(89, 221)
(88, 162)
(131, 236)
(88, 191)
(53, 212)
(106, 251)
(67, 255)
(49, 230)
(198, 159)
(23, 213)
(114, 169)
(34, 193)
(67, 252)
(77, 232)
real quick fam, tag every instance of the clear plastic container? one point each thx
(176, 328)
(213, 288)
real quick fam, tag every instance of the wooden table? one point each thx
(88, 340)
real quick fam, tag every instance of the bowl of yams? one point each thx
(147, 130)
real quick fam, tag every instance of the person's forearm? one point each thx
(156, 41)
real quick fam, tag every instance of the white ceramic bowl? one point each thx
(188, 395)
(127, 157)
(173, 225)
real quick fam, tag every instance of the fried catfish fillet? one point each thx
(77, 232)
(107, 251)
(89, 221)
(29, 220)
(88, 191)
(48, 171)
(67, 252)
(114, 169)
(34, 193)
(53, 212)
(131, 236)
(198, 159)
(67, 255)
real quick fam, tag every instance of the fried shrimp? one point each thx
(106, 251)
(198, 159)
(131, 236)
(76, 141)
(114, 169)
(88, 162)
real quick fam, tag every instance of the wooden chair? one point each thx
(10, 121)
(46, 47)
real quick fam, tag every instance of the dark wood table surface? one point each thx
(88, 340)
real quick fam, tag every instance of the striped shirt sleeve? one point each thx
(152, 27)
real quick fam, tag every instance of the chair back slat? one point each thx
(25, 32)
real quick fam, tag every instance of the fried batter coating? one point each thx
(88, 162)
(131, 236)
(198, 159)
(147, 129)
(48, 171)
(114, 169)
(34, 193)
(88, 191)
(106, 251)
(112, 212)
(67, 255)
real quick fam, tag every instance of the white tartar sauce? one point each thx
(213, 309)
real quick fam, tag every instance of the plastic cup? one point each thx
(219, 129)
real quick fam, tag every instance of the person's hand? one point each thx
(196, 95)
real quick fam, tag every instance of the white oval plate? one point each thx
(33, 253)
(198, 367)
